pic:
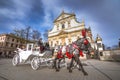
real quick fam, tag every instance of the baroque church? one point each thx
(67, 29)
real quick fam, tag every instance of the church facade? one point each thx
(67, 29)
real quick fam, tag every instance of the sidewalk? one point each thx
(104, 70)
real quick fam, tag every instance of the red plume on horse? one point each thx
(84, 32)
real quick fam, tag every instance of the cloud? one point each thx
(10, 13)
(6, 4)
(19, 13)
(50, 11)
(102, 16)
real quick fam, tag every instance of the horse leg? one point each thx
(80, 64)
(71, 65)
(59, 63)
(54, 63)
(55, 66)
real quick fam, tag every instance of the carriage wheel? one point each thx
(35, 63)
(15, 60)
(50, 64)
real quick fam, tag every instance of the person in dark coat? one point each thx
(40, 43)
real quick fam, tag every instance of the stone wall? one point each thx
(113, 55)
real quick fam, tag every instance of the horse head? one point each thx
(84, 45)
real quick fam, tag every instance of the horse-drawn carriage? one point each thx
(38, 58)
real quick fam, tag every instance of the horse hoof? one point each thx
(67, 67)
(79, 69)
(59, 67)
(70, 71)
(57, 70)
(85, 73)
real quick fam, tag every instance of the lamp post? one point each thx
(119, 43)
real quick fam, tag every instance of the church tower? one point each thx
(99, 43)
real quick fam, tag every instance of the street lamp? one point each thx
(119, 42)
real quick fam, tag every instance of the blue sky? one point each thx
(103, 16)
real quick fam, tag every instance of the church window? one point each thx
(57, 27)
(88, 39)
(63, 26)
(68, 23)
(101, 54)
(99, 45)
(69, 40)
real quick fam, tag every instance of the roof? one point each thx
(98, 38)
(63, 15)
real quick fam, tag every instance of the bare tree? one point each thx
(27, 32)
(19, 32)
(16, 32)
(22, 33)
(36, 35)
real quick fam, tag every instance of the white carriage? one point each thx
(33, 56)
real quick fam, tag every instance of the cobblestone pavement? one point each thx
(97, 70)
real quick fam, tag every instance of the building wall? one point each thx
(113, 55)
(8, 43)
(62, 39)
